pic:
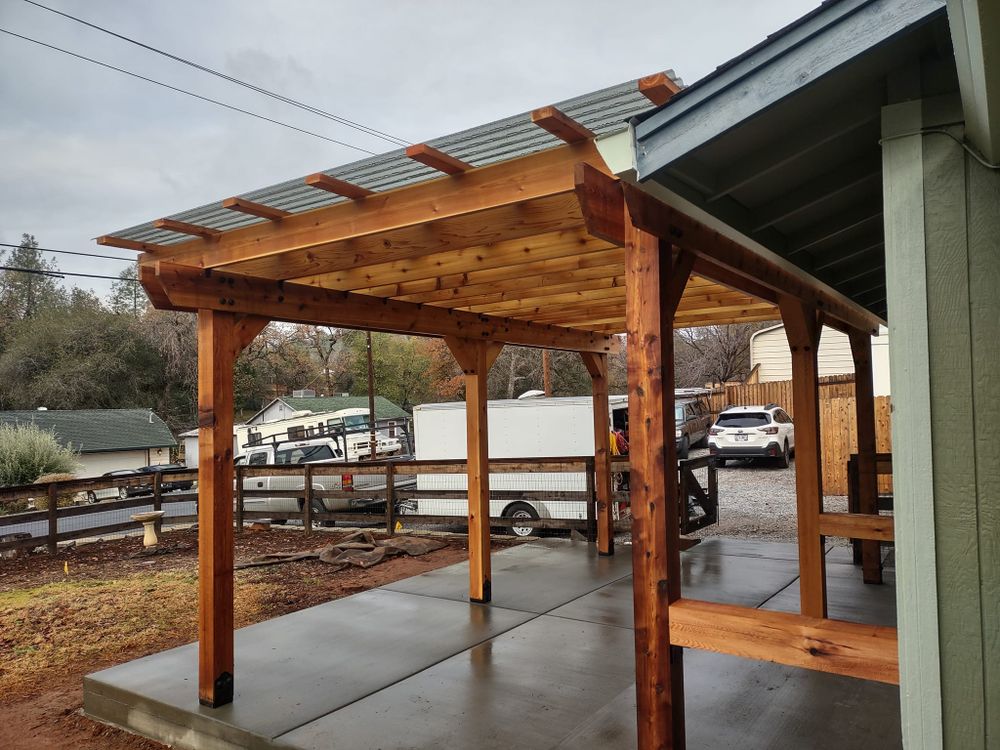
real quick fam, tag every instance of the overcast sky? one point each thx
(86, 151)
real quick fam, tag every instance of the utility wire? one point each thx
(253, 87)
(61, 274)
(184, 91)
(69, 252)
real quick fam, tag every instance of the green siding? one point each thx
(942, 242)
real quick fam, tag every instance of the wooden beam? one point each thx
(215, 507)
(654, 281)
(597, 366)
(183, 227)
(875, 528)
(435, 159)
(255, 209)
(560, 125)
(719, 258)
(189, 288)
(474, 359)
(438, 258)
(864, 404)
(868, 652)
(659, 88)
(337, 186)
(506, 184)
(803, 330)
(110, 240)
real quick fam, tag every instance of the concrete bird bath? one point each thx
(148, 520)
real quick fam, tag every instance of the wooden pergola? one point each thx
(547, 250)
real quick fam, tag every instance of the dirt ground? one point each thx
(101, 604)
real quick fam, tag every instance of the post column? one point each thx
(864, 402)
(654, 282)
(597, 366)
(803, 330)
(215, 507)
(475, 358)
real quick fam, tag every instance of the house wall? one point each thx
(95, 464)
(274, 411)
(770, 350)
(942, 268)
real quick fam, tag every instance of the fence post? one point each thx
(158, 499)
(713, 489)
(390, 498)
(239, 498)
(853, 504)
(307, 501)
(53, 519)
(592, 500)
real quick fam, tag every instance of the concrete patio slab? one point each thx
(550, 663)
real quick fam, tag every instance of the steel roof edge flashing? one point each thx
(816, 45)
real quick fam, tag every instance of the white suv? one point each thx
(752, 432)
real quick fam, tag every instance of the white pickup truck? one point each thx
(370, 488)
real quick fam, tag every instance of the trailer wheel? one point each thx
(521, 510)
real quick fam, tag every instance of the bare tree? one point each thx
(715, 354)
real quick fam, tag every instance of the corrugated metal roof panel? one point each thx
(604, 112)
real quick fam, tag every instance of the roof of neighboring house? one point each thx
(98, 430)
(604, 112)
(384, 408)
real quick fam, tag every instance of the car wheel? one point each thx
(91, 497)
(685, 448)
(123, 493)
(521, 510)
(318, 507)
(783, 459)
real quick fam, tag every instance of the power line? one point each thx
(69, 252)
(253, 87)
(185, 91)
(61, 274)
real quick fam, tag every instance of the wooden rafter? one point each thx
(367, 225)
(188, 288)
(435, 159)
(109, 240)
(255, 209)
(659, 88)
(183, 227)
(337, 186)
(561, 125)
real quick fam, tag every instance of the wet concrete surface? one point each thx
(550, 663)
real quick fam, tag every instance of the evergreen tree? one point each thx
(23, 293)
(127, 296)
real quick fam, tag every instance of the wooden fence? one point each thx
(391, 496)
(839, 439)
(778, 392)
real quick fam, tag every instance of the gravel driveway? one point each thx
(756, 501)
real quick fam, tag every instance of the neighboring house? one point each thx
(771, 359)
(286, 407)
(106, 439)
(190, 442)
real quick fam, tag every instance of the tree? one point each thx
(127, 296)
(400, 367)
(715, 354)
(23, 293)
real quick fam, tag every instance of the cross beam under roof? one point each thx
(178, 287)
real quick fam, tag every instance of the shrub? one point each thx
(62, 501)
(28, 452)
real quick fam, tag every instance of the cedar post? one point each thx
(216, 354)
(654, 281)
(475, 359)
(597, 366)
(158, 500)
(307, 499)
(390, 498)
(867, 487)
(803, 330)
(53, 518)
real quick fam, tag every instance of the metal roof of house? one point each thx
(782, 143)
(384, 408)
(98, 430)
(604, 112)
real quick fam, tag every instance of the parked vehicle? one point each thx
(752, 432)
(324, 450)
(518, 428)
(166, 485)
(114, 493)
(693, 420)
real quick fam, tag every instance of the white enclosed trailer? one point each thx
(520, 428)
